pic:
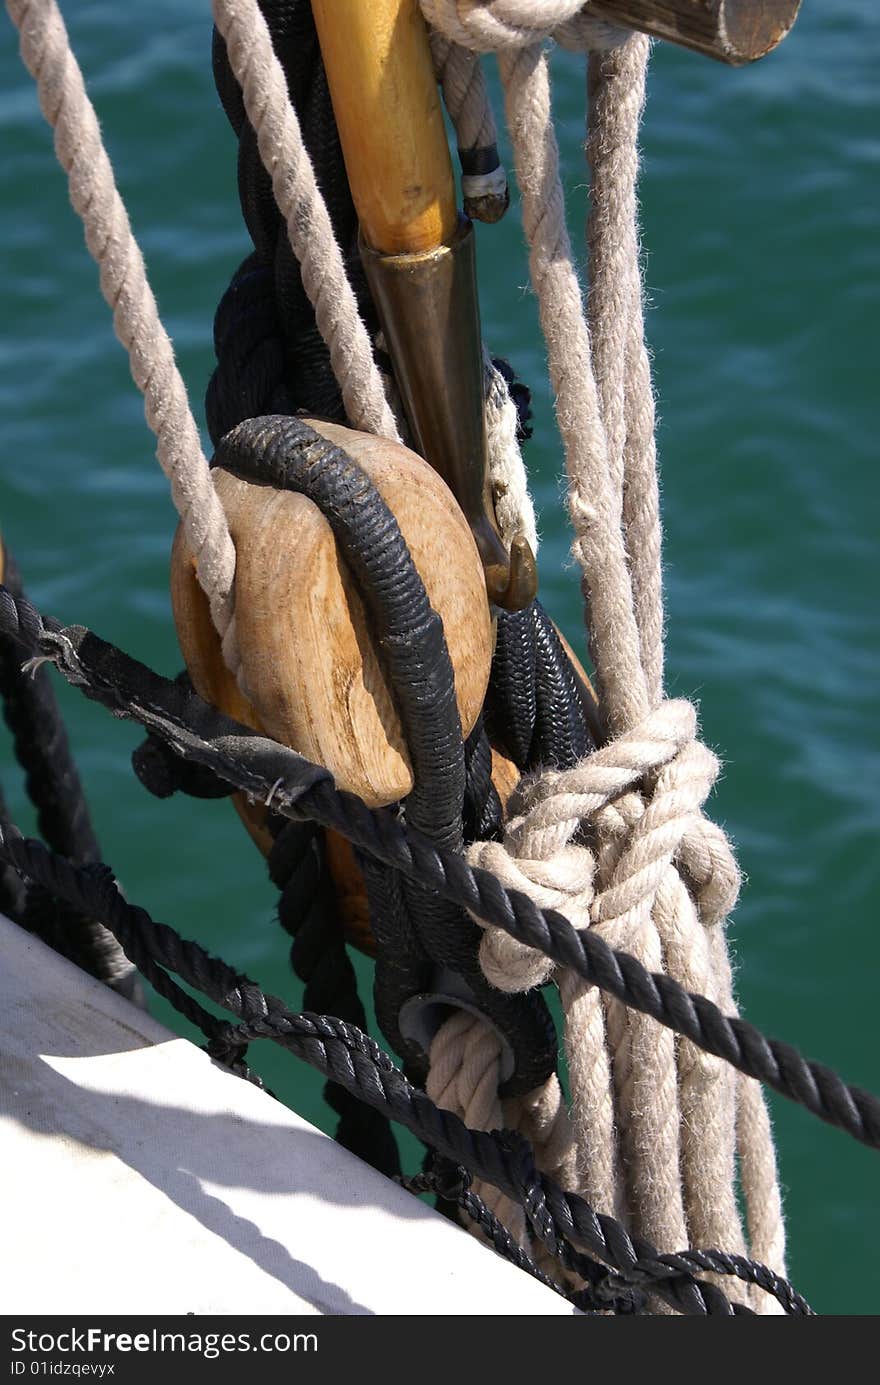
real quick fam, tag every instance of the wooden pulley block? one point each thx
(311, 666)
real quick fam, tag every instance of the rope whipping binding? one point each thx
(651, 855)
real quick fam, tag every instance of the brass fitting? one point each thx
(429, 310)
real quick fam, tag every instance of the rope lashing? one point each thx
(552, 808)
(302, 791)
(495, 26)
(561, 1219)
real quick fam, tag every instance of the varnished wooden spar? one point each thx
(390, 122)
(733, 31)
(418, 254)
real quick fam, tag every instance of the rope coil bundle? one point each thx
(614, 839)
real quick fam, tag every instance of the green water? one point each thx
(761, 204)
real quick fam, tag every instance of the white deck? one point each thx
(141, 1178)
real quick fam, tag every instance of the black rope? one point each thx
(538, 711)
(451, 1183)
(42, 748)
(270, 355)
(302, 791)
(288, 454)
(306, 911)
(563, 1220)
(53, 785)
(271, 360)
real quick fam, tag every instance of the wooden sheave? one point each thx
(311, 674)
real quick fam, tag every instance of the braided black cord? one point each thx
(319, 956)
(53, 785)
(566, 721)
(452, 1185)
(289, 455)
(42, 748)
(13, 892)
(350, 1057)
(537, 709)
(303, 792)
(511, 704)
(481, 813)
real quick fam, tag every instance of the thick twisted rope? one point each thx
(46, 52)
(464, 1076)
(275, 123)
(675, 1114)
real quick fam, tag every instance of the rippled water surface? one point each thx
(761, 212)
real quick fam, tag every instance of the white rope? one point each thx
(508, 481)
(496, 26)
(45, 50)
(275, 123)
(655, 1125)
(464, 1077)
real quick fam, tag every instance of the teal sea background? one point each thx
(761, 227)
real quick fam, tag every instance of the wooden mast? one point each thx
(418, 254)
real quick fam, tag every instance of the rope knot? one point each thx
(492, 26)
(596, 841)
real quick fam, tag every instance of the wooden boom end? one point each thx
(733, 31)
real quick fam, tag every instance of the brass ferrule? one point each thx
(429, 310)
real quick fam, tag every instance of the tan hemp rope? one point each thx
(45, 51)
(655, 1127)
